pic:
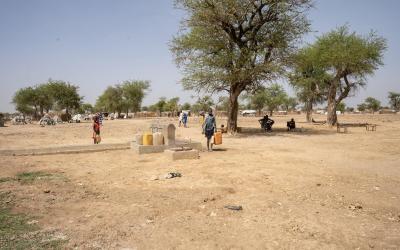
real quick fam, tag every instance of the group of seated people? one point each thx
(266, 124)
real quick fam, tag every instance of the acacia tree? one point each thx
(348, 58)
(111, 100)
(172, 105)
(372, 104)
(64, 94)
(394, 100)
(236, 45)
(308, 79)
(275, 97)
(361, 107)
(290, 103)
(25, 101)
(133, 93)
(258, 100)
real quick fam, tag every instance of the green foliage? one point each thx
(85, 108)
(394, 100)
(25, 101)
(348, 59)
(127, 96)
(203, 104)
(271, 97)
(133, 93)
(6, 179)
(159, 106)
(111, 100)
(290, 103)
(336, 66)
(275, 97)
(236, 46)
(308, 77)
(362, 107)
(65, 95)
(258, 100)
(186, 106)
(172, 105)
(341, 107)
(51, 95)
(28, 177)
(372, 104)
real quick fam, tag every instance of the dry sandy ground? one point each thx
(306, 190)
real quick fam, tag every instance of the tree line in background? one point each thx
(57, 95)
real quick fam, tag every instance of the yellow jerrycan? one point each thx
(218, 138)
(147, 139)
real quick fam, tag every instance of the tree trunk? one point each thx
(271, 112)
(332, 117)
(41, 111)
(233, 111)
(309, 108)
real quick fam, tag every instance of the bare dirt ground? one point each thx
(314, 189)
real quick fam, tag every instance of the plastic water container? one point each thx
(158, 139)
(147, 139)
(217, 138)
(139, 139)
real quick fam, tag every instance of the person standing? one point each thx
(96, 130)
(180, 118)
(210, 126)
(185, 119)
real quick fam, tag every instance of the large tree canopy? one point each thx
(65, 95)
(348, 58)
(53, 94)
(335, 66)
(236, 45)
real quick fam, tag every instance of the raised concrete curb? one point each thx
(183, 155)
(65, 149)
(142, 149)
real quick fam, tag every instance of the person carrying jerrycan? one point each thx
(209, 127)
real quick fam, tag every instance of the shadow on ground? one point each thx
(251, 131)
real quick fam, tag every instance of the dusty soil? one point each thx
(314, 189)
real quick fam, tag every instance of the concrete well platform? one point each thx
(182, 155)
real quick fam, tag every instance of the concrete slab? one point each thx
(142, 149)
(182, 155)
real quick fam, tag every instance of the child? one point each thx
(96, 130)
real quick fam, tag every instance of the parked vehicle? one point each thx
(248, 112)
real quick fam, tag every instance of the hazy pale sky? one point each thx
(97, 43)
